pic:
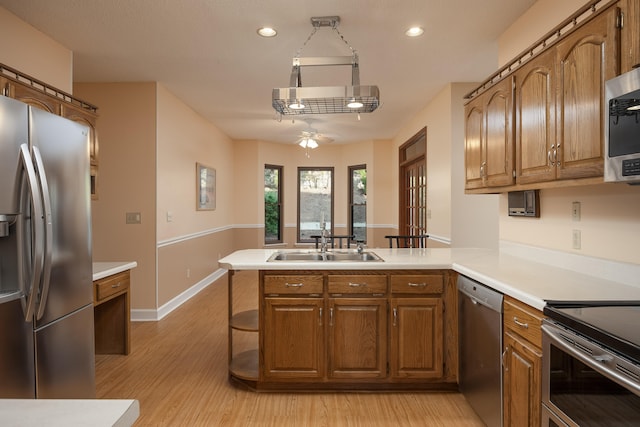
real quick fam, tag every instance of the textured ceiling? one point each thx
(208, 54)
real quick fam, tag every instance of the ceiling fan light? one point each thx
(355, 104)
(311, 143)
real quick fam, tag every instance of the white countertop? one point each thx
(68, 412)
(105, 269)
(531, 282)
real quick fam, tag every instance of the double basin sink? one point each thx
(334, 256)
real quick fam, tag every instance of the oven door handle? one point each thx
(597, 362)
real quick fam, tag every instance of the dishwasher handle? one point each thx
(480, 294)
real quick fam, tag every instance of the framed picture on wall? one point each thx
(205, 188)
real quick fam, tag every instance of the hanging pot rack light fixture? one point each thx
(299, 100)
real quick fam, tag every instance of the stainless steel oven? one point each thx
(591, 366)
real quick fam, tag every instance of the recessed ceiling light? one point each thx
(267, 32)
(414, 31)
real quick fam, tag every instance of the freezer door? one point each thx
(65, 361)
(17, 376)
(63, 146)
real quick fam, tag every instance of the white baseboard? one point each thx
(149, 315)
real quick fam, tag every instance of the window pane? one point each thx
(315, 188)
(272, 204)
(359, 215)
(358, 202)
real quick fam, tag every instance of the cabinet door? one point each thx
(88, 119)
(498, 162)
(35, 98)
(357, 338)
(489, 137)
(473, 142)
(292, 339)
(630, 35)
(586, 59)
(536, 120)
(417, 344)
(522, 382)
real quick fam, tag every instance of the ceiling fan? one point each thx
(311, 138)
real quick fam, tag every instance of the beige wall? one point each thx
(456, 219)
(250, 158)
(150, 142)
(126, 181)
(610, 223)
(190, 241)
(31, 52)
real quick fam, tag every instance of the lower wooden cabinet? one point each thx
(354, 330)
(417, 349)
(522, 364)
(112, 318)
(357, 338)
(522, 369)
(293, 339)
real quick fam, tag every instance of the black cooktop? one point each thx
(613, 324)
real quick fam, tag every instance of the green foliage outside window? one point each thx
(271, 215)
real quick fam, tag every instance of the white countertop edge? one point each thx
(534, 283)
(105, 269)
(69, 412)
(504, 288)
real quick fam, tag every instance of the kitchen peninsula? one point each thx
(354, 325)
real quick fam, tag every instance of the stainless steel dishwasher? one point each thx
(480, 340)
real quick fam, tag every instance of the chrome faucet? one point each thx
(323, 237)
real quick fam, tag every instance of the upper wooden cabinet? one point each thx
(556, 130)
(559, 104)
(37, 94)
(586, 59)
(489, 137)
(536, 120)
(630, 35)
(33, 97)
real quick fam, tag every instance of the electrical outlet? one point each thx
(133, 218)
(577, 239)
(575, 211)
(169, 216)
(188, 273)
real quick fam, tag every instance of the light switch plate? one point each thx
(575, 211)
(133, 218)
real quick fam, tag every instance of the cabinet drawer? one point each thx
(111, 285)
(417, 284)
(357, 284)
(290, 284)
(524, 320)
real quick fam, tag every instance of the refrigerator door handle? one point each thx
(31, 292)
(48, 232)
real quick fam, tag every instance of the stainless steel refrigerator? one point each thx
(46, 310)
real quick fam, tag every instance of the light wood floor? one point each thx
(177, 369)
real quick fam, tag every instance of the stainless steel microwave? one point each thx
(622, 128)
